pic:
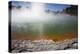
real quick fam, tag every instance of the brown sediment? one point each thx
(58, 37)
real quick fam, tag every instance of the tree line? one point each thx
(72, 10)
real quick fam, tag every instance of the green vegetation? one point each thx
(72, 10)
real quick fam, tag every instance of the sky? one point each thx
(56, 7)
(50, 6)
(23, 4)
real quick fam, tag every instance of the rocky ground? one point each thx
(42, 45)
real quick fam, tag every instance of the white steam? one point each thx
(36, 14)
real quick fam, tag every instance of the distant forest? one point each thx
(72, 10)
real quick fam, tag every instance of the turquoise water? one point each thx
(59, 24)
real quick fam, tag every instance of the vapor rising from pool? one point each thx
(34, 29)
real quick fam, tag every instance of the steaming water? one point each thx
(38, 15)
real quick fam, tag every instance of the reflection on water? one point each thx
(41, 29)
